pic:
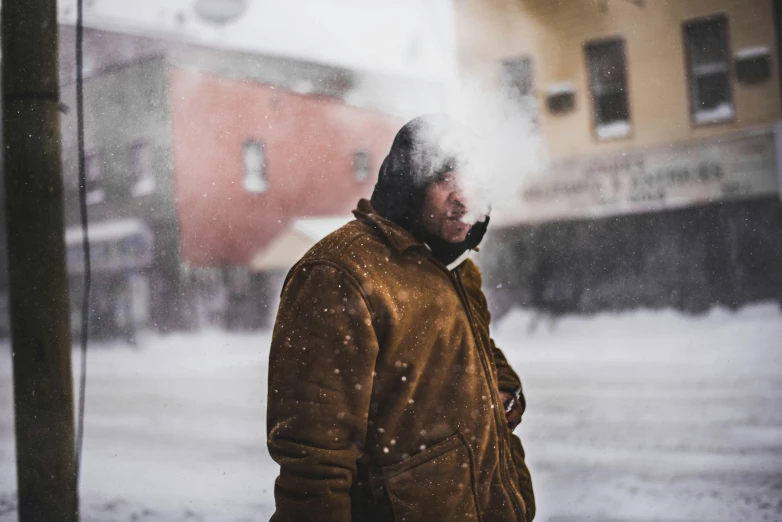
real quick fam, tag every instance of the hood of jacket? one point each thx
(424, 149)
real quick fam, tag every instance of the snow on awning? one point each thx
(287, 248)
(111, 230)
(752, 52)
(557, 89)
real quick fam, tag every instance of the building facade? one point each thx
(196, 159)
(130, 197)
(659, 121)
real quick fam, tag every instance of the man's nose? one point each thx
(458, 197)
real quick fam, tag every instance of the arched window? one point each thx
(254, 167)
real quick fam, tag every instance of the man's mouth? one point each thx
(457, 221)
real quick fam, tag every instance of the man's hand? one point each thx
(512, 407)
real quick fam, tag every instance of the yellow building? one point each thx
(659, 119)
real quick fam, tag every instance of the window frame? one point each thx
(264, 177)
(98, 194)
(593, 96)
(691, 76)
(361, 151)
(524, 101)
(145, 183)
(505, 66)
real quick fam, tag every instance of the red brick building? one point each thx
(249, 158)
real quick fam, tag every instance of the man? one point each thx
(385, 389)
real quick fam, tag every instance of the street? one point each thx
(644, 416)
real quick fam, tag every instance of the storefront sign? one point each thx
(726, 168)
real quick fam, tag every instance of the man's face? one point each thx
(444, 207)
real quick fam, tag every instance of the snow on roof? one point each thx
(320, 227)
(752, 52)
(293, 242)
(414, 38)
(555, 89)
(108, 231)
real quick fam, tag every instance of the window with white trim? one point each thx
(517, 83)
(254, 167)
(607, 67)
(516, 77)
(141, 169)
(361, 165)
(708, 61)
(93, 177)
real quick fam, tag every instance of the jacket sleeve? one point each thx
(506, 377)
(320, 378)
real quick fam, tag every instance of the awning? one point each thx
(111, 230)
(115, 245)
(288, 247)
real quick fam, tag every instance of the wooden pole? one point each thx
(38, 284)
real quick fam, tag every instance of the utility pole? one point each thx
(40, 317)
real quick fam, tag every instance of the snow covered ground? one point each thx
(646, 416)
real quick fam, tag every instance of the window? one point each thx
(608, 84)
(708, 61)
(361, 165)
(753, 65)
(516, 78)
(141, 169)
(561, 97)
(254, 167)
(516, 82)
(93, 176)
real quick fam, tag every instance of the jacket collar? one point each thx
(399, 238)
(459, 260)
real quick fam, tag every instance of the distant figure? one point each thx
(388, 400)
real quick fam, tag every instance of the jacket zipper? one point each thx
(487, 371)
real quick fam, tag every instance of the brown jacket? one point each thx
(383, 388)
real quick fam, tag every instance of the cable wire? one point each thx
(85, 308)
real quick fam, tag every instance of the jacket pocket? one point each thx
(433, 485)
